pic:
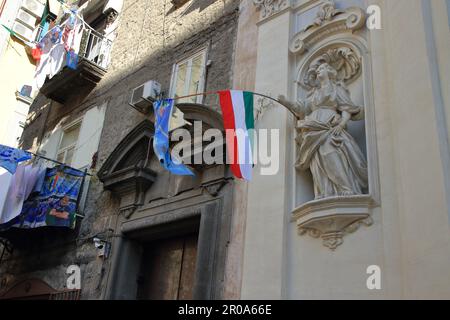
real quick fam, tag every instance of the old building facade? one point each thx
(398, 228)
(361, 216)
(17, 63)
(131, 201)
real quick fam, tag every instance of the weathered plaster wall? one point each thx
(152, 36)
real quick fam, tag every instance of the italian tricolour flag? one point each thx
(239, 124)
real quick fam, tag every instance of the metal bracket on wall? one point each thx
(6, 247)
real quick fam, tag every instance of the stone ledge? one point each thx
(332, 218)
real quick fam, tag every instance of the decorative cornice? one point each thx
(329, 21)
(327, 12)
(332, 218)
(270, 7)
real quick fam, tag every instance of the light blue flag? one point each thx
(163, 112)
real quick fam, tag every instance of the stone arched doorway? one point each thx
(172, 232)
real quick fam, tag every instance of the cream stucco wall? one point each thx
(410, 237)
(17, 69)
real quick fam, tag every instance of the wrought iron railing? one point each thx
(95, 48)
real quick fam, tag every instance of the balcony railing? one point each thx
(95, 48)
(93, 60)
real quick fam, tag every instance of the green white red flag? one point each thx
(239, 124)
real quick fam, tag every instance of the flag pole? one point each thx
(289, 108)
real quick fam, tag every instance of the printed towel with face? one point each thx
(56, 204)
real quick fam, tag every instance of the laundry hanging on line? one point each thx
(56, 204)
(36, 196)
(11, 157)
(59, 47)
(16, 188)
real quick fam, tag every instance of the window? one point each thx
(189, 78)
(68, 144)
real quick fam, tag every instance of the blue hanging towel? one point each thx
(163, 111)
(10, 158)
(72, 59)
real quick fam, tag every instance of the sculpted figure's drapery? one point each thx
(336, 162)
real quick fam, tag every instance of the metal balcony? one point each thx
(93, 60)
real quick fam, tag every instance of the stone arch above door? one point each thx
(132, 168)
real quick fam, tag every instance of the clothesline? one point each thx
(289, 108)
(85, 24)
(34, 196)
(57, 162)
(76, 14)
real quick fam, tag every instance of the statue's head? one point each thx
(340, 65)
(325, 71)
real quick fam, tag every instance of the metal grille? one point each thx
(95, 48)
(66, 295)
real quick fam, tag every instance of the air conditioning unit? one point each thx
(144, 95)
(22, 31)
(26, 18)
(34, 7)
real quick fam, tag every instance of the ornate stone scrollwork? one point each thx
(333, 218)
(327, 11)
(329, 21)
(270, 7)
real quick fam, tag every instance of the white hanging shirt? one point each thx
(5, 182)
(20, 188)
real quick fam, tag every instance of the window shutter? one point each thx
(89, 138)
(50, 143)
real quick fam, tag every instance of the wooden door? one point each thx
(168, 269)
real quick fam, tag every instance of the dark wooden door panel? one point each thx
(186, 290)
(168, 269)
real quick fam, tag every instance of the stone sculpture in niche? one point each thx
(330, 54)
(332, 155)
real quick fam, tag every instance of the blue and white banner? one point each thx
(163, 112)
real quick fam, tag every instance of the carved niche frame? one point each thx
(332, 218)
